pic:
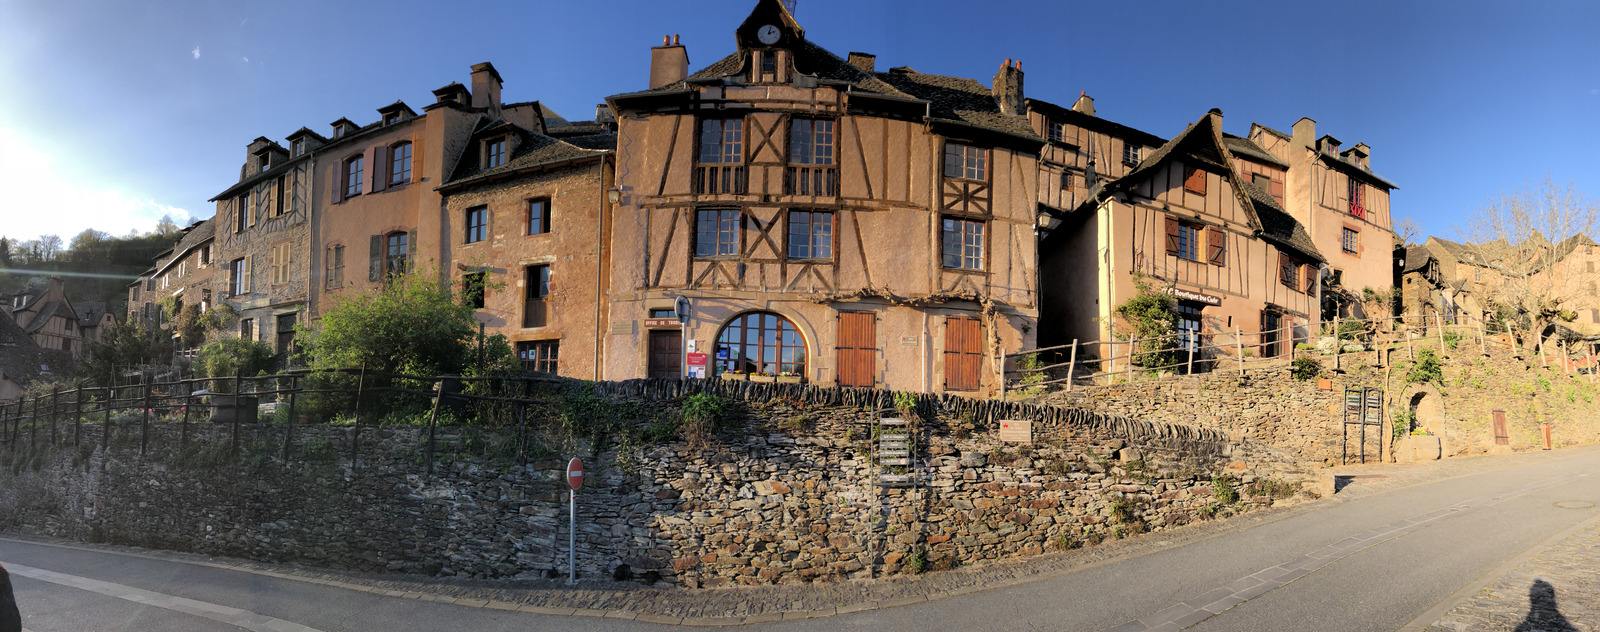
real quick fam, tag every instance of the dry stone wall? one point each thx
(784, 495)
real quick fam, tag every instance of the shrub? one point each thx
(225, 357)
(702, 414)
(1452, 338)
(1153, 317)
(1224, 487)
(1426, 368)
(918, 562)
(1304, 369)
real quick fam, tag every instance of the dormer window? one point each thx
(266, 162)
(391, 118)
(1130, 154)
(494, 153)
(299, 146)
(338, 132)
(769, 63)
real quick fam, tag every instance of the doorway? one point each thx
(666, 353)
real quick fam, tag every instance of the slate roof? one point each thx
(1338, 162)
(955, 99)
(1090, 121)
(90, 312)
(22, 360)
(533, 150)
(1249, 149)
(1278, 226)
(1417, 258)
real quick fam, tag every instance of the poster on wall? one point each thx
(697, 371)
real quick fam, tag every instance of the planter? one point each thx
(790, 379)
(225, 409)
(1414, 448)
(736, 377)
(766, 379)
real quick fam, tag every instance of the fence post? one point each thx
(105, 427)
(55, 411)
(1133, 343)
(144, 424)
(188, 403)
(288, 422)
(438, 396)
(355, 424)
(1189, 370)
(77, 416)
(1540, 348)
(1238, 343)
(1483, 343)
(522, 434)
(238, 391)
(33, 427)
(1072, 363)
(361, 382)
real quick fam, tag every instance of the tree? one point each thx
(1407, 230)
(1515, 230)
(127, 343)
(412, 325)
(49, 247)
(5, 252)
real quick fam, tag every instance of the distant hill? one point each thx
(95, 266)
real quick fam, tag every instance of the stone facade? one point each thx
(786, 498)
(187, 274)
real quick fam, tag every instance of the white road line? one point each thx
(231, 616)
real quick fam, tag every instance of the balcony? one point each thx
(1357, 210)
(719, 179)
(820, 181)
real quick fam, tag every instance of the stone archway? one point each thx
(1426, 405)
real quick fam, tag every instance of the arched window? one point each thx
(760, 342)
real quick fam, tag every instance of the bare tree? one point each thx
(1408, 231)
(1526, 234)
(49, 247)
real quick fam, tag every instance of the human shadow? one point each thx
(1543, 615)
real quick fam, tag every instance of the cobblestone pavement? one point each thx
(747, 605)
(1557, 590)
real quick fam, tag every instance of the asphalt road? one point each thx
(1374, 563)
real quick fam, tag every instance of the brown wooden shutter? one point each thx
(249, 274)
(858, 353)
(1194, 180)
(380, 168)
(339, 184)
(375, 263)
(1172, 236)
(1284, 268)
(963, 353)
(1218, 243)
(1310, 273)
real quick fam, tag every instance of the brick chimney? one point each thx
(864, 61)
(669, 62)
(1305, 134)
(1084, 104)
(1007, 88)
(486, 87)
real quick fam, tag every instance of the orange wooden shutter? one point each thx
(963, 353)
(857, 349)
(1285, 269)
(1194, 180)
(1172, 236)
(1218, 242)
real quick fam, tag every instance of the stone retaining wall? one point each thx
(782, 497)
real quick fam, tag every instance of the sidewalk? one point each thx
(601, 597)
(1555, 590)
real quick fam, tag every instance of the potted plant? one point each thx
(763, 377)
(735, 376)
(790, 377)
(223, 359)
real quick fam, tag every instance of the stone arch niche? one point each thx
(1426, 405)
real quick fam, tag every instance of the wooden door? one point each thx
(963, 353)
(666, 353)
(858, 349)
(1501, 437)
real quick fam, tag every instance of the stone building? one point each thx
(45, 314)
(22, 360)
(1196, 218)
(527, 239)
(823, 220)
(1334, 194)
(1499, 272)
(1420, 291)
(1082, 150)
(184, 275)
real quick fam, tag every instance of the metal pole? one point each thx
(77, 416)
(572, 540)
(355, 425)
(288, 422)
(55, 411)
(105, 427)
(1072, 364)
(1238, 342)
(144, 424)
(438, 396)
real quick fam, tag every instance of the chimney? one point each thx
(1216, 118)
(669, 62)
(1305, 134)
(1007, 88)
(867, 63)
(1084, 104)
(486, 87)
(55, 286)
(603, 114)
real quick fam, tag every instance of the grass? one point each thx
(1224, 488)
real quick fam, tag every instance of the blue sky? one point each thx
(120, 112)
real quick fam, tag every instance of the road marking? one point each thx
(231, 616)
(1222, 599)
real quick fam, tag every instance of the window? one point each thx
(286, 336)
(965, 161)
(400, 164)
(205, 255)
(1270, 325)
(1216, 246)
(335, 267)
(539, 356)
(1351, 239)
(1189, 325)
(353, 169)
(1066, 180)
(722, 141)
(810, 235)
(247, 328)
(280, 263)
(391, 118)
(299, 146)
(663, 313)
(717, 232)
(1289, 272)
(1056, 131)
(760, 342)
(241, 214)
(963, 244)
(1262, 180)
(1358, 199)
(538, 216)
(473, 288)
(237, 271)
(266, 162)
(1130, 154)
(1183, 239)
(477, 224)
(495, 153)
(811, 142)
(536, 309)
(396, 252)
(1194, 180)
(769, 62)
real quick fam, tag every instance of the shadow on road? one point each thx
(1543, 615)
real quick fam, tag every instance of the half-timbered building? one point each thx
(824, 220)
(1190, 221)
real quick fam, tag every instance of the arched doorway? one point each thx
(760, 342)
(1427, 409)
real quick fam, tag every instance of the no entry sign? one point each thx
(574, 473)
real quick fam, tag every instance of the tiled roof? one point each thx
(1090, 121)
(1417, 258)
(533, 150)
(1247, 148)
(1278, 226)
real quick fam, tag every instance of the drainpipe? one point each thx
(599, 267)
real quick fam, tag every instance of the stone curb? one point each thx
(1000, 574)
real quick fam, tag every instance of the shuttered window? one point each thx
(963, 353)
(1183, 239)
(397, 252)
(353, 172)
(858, 349)
(1194, 180)
(1217, 246)
(1288, 272)
(334, 277)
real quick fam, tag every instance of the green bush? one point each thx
(1225, 488)
(1153, 316)
(1452, 338)
(1304, 369)
(1426, 368)
(225, 357)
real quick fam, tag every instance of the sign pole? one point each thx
(574, 480)
(681, 310)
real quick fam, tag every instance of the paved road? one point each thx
(1375, 563)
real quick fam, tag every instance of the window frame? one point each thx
(810, 247)
(1132, 153)
(400, 157)
(355, 171)
(1350, 240)
(544, 215)
(475, 289)
(720, 248)
(787, 336)
(544, 354)
(393, 262)
(238, 284)
(812, 144)
(725, 149)
(333, 266)
(965, 258)
(968, 160)
(495, 152)
(536, 282)
(479, 229)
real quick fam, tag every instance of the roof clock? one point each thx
(768, 34)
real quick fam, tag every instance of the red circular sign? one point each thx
(574, 473)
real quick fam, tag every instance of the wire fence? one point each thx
(1186, 352)
(357, 400)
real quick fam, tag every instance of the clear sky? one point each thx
(118, 112)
